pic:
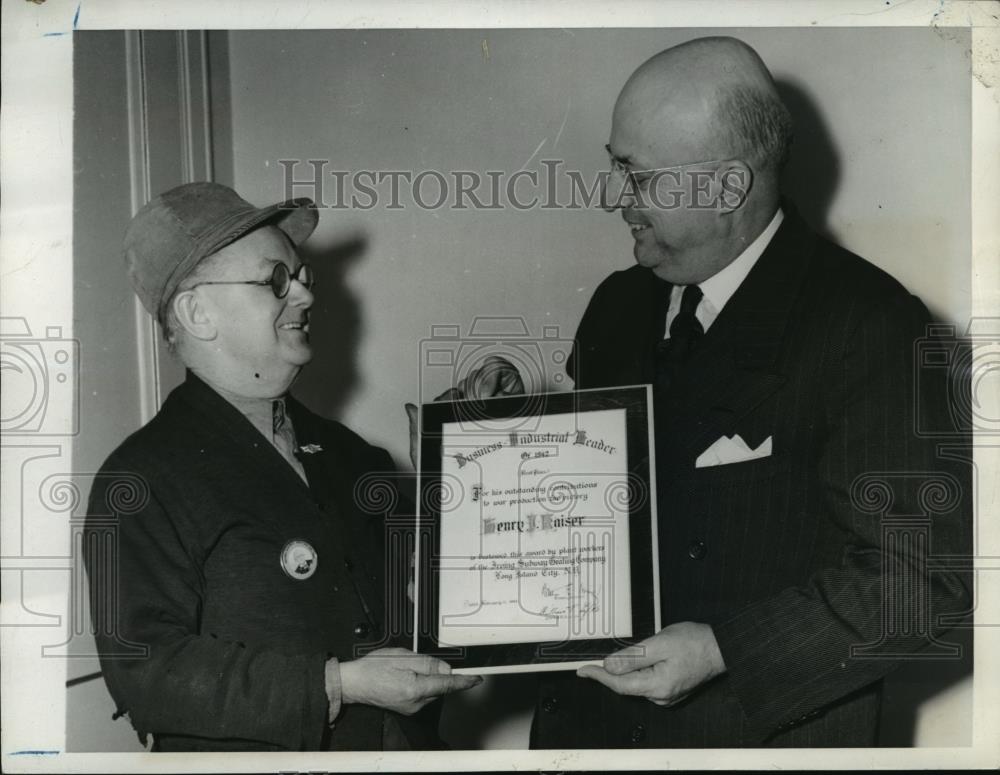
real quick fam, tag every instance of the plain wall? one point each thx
(103, 322)
(880, 163)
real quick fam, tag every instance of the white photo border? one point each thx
(36, 165)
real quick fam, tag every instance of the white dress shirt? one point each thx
(720, 287)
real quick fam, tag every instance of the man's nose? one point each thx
(616, 194)
(299, 295)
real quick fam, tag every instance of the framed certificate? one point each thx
(537, 530)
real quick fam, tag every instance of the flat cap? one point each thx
(174, 231)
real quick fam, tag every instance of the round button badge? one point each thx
(299, 560)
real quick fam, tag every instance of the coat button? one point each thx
(697, 550)
(550, 704)
(362, 630)
(348, 565)
(638, 733)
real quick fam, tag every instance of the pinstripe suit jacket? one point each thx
(787, 556)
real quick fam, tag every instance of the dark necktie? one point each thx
(685, 331)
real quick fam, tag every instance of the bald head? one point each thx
(703, 135)
(709, 98)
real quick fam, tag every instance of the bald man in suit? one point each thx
(784, 388)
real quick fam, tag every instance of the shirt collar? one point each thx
(720, 287)
(259, 411)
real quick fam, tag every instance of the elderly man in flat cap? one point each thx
(244, 568)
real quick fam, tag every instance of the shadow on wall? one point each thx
(496, 714)
(812, 174)
(335, 327)
(915, 683)
(811, 177)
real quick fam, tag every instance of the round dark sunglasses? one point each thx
(280, 281)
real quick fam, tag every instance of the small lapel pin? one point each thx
(310, 449)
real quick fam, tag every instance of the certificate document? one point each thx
(543, 528)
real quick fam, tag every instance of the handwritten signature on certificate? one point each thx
(572, 600)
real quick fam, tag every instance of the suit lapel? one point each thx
(331, 475)
(318, 456)
(737, 364)
(248, 447)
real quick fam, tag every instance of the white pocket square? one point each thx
(733, 449)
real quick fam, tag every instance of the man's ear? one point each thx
(194, 318)
(735, 181)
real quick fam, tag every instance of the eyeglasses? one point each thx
(280, 282)
(638, 177)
